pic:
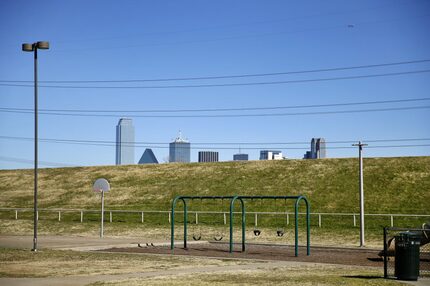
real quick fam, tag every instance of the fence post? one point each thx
(16, 214)
(110, 216)
(142, 218)
(392, 221)
(225, 218)
(385, 254)
(355, 220)
(197, 218)
(82, 216)
(169, 217)
(319, 220)
(37, 215)
(288, 219)
(256, 219)
(59, 215)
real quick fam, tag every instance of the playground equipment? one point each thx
(280, 230)
(197, 232)
(219, 235)
(256, 230)
(242, 200)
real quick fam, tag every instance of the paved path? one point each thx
(79, 243)
(66, 242)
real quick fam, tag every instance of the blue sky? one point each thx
(130, 40)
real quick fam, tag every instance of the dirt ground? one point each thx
(345, 256)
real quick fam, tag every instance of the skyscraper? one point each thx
(179, 150)
(208, 156)
(318, 149)
(321, 149)
(124, 142)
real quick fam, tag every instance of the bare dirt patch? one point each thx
(331, 255)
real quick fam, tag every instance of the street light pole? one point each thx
(33, 48)
(360, 158)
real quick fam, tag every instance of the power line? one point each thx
(230, 115)
(30, 162)
(225, 26)
(218, 109)
(224, 84)
(237, 37)
(203, 144)
(227, 76)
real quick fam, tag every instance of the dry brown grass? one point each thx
(49, 263)
(288, 275)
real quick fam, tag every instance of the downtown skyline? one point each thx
(268, 76)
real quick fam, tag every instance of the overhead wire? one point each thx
(228, 76)
(225, 84)
(27, 161)
(210, 145)
(11, 109)
(231, 115)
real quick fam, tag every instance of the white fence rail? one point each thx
(142, 213)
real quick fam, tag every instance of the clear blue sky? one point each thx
(127, 40)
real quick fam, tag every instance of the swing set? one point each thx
(197, 235)
(242, 200)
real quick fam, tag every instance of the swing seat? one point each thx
(218, 238)
(280, 232)
(257, 232)
(197, 237)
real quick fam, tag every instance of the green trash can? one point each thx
(407, 262)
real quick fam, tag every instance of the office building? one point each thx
(124, 142)
(270, 155)
(208, 156)
(307, 155)
(240, 157)
(318, 149)
(179, 150)
(148, 157)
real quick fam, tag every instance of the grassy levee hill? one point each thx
(392, 185)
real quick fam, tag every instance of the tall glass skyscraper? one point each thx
(124, 142)
(318, 149)
(179, 150)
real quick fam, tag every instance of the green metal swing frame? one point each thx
(242, 200)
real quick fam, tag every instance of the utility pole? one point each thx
(360, 158)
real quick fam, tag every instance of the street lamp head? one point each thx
(43, 45)
(27, 47)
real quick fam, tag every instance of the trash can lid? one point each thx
(409, 235)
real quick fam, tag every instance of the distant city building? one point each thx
(318, 149)
(148, 157)
(179, 150)
(270, 155)
(124, 142)
(240, 157)
(208, 156)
